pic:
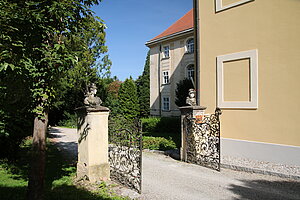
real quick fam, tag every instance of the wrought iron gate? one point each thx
(203, 140)
(125, 152)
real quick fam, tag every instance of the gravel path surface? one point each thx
(166, 178)
(66, 140)
(262, 167)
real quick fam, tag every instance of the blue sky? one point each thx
(133, 22)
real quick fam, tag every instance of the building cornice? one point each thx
(168, 37)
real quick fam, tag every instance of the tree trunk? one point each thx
(38, 160)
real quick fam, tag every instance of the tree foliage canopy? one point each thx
(44, 40)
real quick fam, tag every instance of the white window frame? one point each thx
(164, 51)
(165, 73)
(168, 103)
(253, 103)
(219, 4)
(187, 71)
(187, 49)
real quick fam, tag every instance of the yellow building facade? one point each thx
(249, 66)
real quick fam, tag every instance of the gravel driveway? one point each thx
(165, 178)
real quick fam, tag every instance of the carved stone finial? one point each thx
(191, 99)
(90, 99)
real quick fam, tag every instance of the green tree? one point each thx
(128, 99)
(182, 91)
(72, 88)
(112, 100)
(39, 42)
(143, 89)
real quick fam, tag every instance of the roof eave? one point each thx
(174, 35)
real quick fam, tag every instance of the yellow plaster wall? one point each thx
(272, 27)
(236, 80)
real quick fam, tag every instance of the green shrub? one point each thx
(70, 120)
(168, 128)
(150, 124)
(161, 124)
(169, 125)
(158, 143)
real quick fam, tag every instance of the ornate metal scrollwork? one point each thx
(203, 140)
(125, 153)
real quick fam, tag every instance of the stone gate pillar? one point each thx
(92, 133)
(196, 112)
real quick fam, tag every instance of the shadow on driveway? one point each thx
(256, 189)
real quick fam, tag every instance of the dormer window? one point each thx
(166, 51)
(190, 45)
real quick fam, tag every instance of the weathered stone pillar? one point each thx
(93, 144)
(196, 112)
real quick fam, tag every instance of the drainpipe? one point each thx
(197, 49)
(159, 75)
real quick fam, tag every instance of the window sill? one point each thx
(164, 84)
(165, 58)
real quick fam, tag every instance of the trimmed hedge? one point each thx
(161, 125)
(161, 133)
(158, 143)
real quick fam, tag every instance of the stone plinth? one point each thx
(196, 112)
(92, 133)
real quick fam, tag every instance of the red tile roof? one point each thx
(184, 23)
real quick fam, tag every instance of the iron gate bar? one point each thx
(203, 140)
(125, 153)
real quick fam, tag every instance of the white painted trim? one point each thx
(220, 7)
(253, 103)
(261, 151)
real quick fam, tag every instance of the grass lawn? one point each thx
(58, 183)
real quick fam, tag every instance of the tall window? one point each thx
(166, 104)
(165, 77)
(166, 51)
(190, 72)
(190, 45)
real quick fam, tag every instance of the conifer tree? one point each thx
(143, 89)
(128, 99)
(182, 91)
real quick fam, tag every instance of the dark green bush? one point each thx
(158, 143)
(70, 120)
(169, 125)
(150, 124)
(168, 128)
(161, 125)
(182, 91)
